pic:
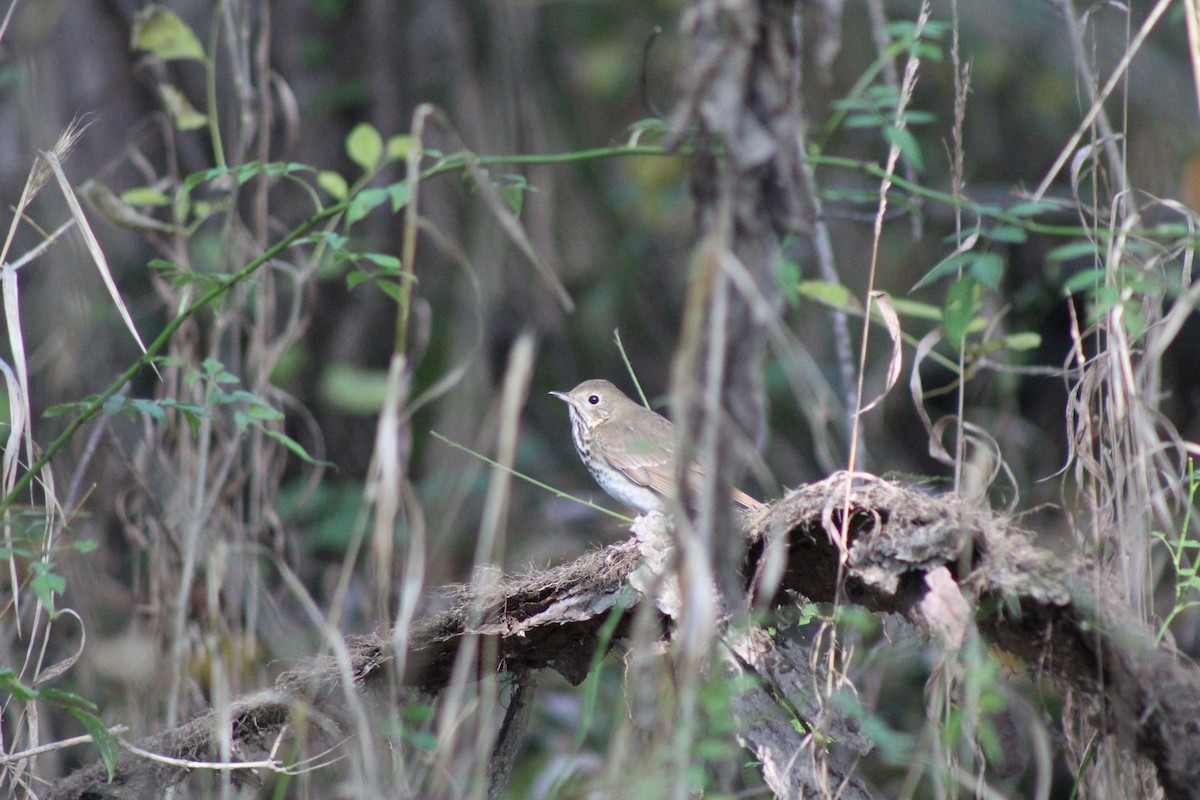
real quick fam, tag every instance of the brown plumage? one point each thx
(629, 449)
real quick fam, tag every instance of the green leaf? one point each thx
(214, 369)
(399, 193)
(62, 408)
(105, 742)
(959, 308)
(204, 176)
(333, 183)
(354, 390)
(276, 168)
(1169, 230)
(65, 699)
(644, 129)
(1103, 300)
(164, 34)
(46, 584)
(949, 265)
(808, 613)
(332, 239)
(927, 51)
(987, 268)
(1090, 279)
(515, 198)
(1030, 209)
(259, 414)
(114, 405)
(186, 117)
(244, 172)
(243, 396)
(903, 138)
(202, 209)
(12, 685)
(148, 407)
(423, 739)
(833, 295)
(788, 279)
(85, 545)
(388, 262)
(104, 202)
(145, 196)
(181, 204)
(919, 117)
(1135, 322)
(364, 145)
(884, 95)
(296, 448)
(1072, 250)
(390, 289)
(1008, 234)
(186, 408)
(864, 120)
(1026, 340)
(848, 104)
(364, 203)
(916, 310)
(397, 146)
(842, 193)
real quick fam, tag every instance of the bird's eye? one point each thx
(594, 399)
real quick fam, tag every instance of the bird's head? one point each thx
(594, 401)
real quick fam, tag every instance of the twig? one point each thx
(59, 745)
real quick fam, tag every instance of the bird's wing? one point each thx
(647, 458)
(644, 453)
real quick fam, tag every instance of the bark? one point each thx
(768, 722)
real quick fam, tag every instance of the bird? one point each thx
(629, 449)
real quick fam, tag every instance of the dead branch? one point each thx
(908, 552)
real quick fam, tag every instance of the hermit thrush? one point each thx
(629, 449)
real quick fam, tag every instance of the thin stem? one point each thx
(210, 93)
(526, 478)
(629, 367)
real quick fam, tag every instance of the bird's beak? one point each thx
(566, 398)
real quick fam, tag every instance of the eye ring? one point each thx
(594, 399)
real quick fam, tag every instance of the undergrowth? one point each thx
(209, 453)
